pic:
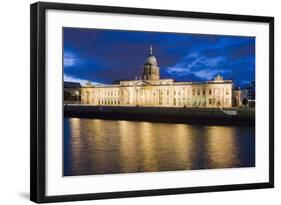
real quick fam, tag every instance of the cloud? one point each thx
(200, 66)
(108, 55)
(179, 70)
(209, 74)
(69, 59)
(212, 62)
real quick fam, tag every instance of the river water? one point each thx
(95, 146)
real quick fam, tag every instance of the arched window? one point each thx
(194, 103)
(218, 103)
(227, 92)
(187, 102)
(183, 101)
(204, 103)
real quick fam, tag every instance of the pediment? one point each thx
(141, 83)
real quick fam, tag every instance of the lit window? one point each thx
(227, 92)
(193, 92)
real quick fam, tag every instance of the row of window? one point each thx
(197, 92)
(110, 93)
(175, 102)
(109, 102)
(213, 101)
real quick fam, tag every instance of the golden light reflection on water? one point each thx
(147, 145)
(94, 130)
(222, 148)
(76, 140)
(184, 144)
(105, 146)
(128, 148)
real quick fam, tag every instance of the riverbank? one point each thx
(235, 116)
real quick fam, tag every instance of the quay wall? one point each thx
(242, 116)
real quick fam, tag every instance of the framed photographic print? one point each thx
(129, 102)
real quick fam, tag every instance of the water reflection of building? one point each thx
(111, 146)
(153, 91)
(222, 147)
(71, 92)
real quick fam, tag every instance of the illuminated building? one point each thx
(152, 91)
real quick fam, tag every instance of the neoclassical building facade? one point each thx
(152, 91)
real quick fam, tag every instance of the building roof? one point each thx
(169, 82)
(71, 85)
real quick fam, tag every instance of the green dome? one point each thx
(150, 59)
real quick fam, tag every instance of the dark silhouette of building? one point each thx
(252, 94)
(71, 92)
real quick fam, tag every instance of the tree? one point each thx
(245, 101)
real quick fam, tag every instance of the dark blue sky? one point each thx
(102, 56)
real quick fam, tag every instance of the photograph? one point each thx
(148, 101)
(134, 102)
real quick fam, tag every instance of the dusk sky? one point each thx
(103, 56)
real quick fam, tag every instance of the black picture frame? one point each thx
(38, 103)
